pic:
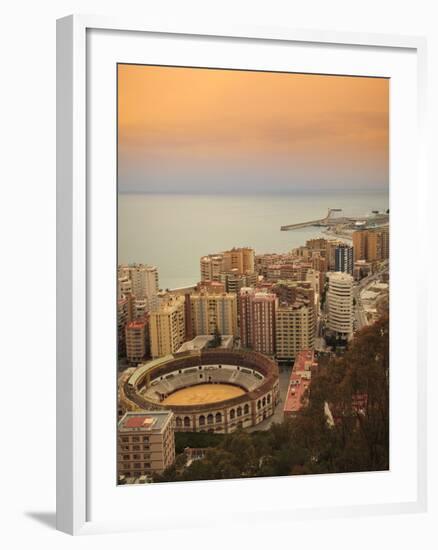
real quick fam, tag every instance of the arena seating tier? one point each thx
(226, 374)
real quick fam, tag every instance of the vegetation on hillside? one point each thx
(357, 439)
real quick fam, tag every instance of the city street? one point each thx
(360, 319)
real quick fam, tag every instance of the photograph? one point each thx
(253, 230)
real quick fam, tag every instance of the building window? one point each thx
(186, 421)
(232, 414)
(239, 411)
(218, 417)
(210, 419)
(178, 422)
(246, 409)
(202, 420)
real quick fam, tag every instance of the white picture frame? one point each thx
(76, 212)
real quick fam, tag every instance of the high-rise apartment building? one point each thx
(234, 268)
(122, 321)
(211, 267)
(145, 443)
(167, 326)
(384, 230)
(294, 271)
(297, 294)
(318, 245)
(211, 312)
(332, 245)
(263, 261)
(340, 303)
(360, 244)
(294, 330)
(374, 246)
(140, 308)
(319, 262)
(302, 253)
(144, 282)
(245, 315)
(124, 286)
(240, 259)
(233, 281)
(320, 265)
(137, 340)
(344, 258)
(257, 320)
(371, 244)
(313, 277)
(292, 292)
(210, 287)
(378, 243)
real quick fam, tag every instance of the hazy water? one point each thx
(174, 231)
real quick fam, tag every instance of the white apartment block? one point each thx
(340, 303)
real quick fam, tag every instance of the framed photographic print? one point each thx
(238, 336)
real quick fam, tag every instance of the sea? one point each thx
(172, 231)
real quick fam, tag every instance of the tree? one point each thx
(356, 388)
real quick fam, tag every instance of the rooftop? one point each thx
(202, 341)
(153, 421)
(298, 385)
(304, 361)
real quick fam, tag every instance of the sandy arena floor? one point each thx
(203, 393)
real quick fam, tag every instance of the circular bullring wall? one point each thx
(214, 390)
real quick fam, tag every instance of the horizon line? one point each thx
(313, 191)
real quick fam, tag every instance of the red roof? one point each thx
(305, 358)
(299, 380)
(297, 387)
(138, 422)
(136, 324)
(135, 422)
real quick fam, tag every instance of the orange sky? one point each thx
(178, 126)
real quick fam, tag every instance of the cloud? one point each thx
(215, 130)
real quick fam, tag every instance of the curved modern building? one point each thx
(340, 303)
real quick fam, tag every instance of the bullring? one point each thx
(208, 391)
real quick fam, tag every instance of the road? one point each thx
(359, 313)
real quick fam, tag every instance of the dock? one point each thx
(332, 220)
